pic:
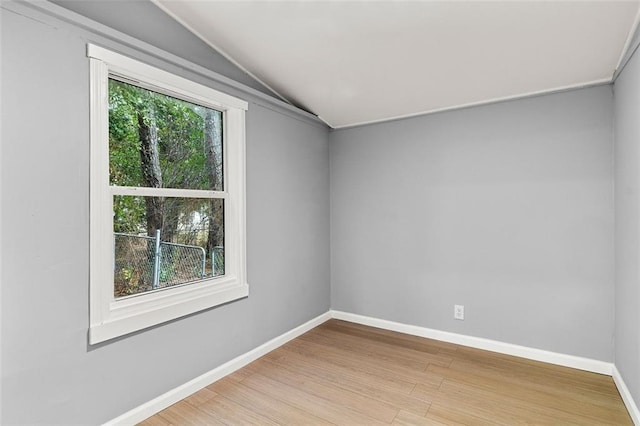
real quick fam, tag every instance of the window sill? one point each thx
(139, 312)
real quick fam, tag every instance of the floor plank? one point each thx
(185, 414)
(229, 412)
(348, 374)
(337, 378)
(405, 418)
(354, 401)
(265, 404)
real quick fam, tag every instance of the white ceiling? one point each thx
(360, 62)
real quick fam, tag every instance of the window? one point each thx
(167, 196)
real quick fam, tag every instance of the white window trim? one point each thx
(110, 317)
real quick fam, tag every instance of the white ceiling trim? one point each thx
(480, 103)
(627, 43)
(218, 49)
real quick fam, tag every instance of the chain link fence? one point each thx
(217, 260)
(145, 263)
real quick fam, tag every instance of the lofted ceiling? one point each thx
(360, 62)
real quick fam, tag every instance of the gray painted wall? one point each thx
(627, 185)
(145, 21)
(506, 209)
(49, 374)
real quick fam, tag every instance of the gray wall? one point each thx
(49, 373)
(506, 209)
(627, 184)
(145, 21)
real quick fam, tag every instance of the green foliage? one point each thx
(124, 154)
(180, 131)
(175, 136)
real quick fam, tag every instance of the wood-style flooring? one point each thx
(348, 374)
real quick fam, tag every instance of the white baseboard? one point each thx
(629, 402)
(169, 398)
(572, 361)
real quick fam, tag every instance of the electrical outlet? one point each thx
(458, 312)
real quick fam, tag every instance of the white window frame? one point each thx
(111, 317)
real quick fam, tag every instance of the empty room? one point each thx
(319, 212)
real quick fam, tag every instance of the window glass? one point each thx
(161, 242)
(159, 141)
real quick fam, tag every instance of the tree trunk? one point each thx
(151, 173)
(213, 148)
(171, 215)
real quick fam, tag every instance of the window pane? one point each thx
(159, 141)
(190, 245)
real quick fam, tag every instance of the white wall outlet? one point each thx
(458, 312)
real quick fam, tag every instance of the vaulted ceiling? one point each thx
(361, 62)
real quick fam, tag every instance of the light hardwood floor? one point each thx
(346, 374)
